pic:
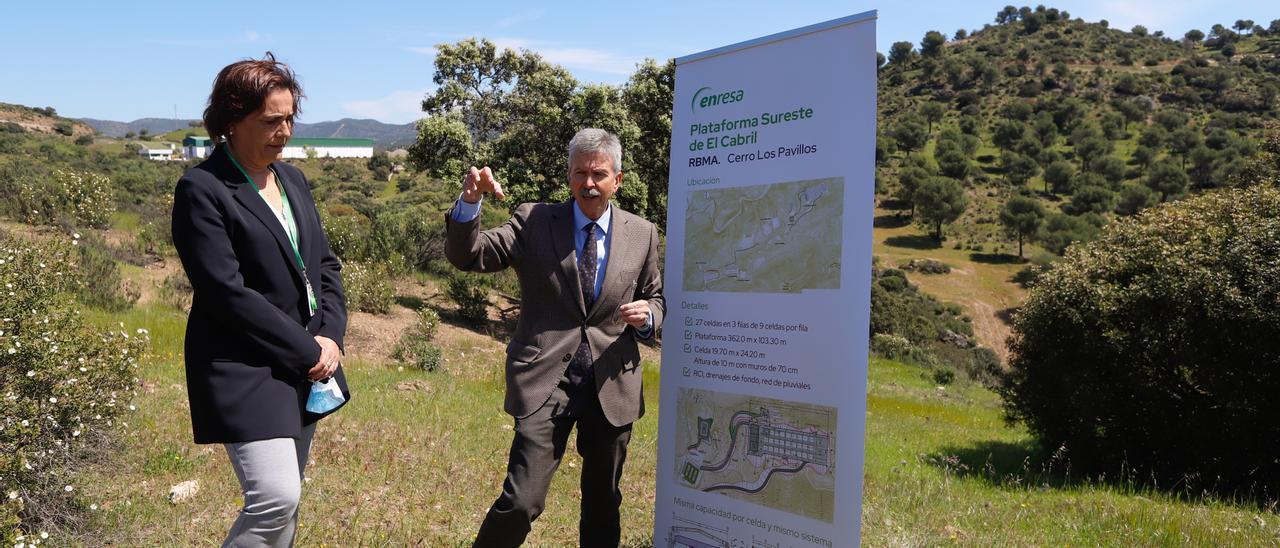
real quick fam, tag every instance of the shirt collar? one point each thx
(580, 219)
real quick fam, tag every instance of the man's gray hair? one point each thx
(597, 140)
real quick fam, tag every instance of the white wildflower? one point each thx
(68, 488)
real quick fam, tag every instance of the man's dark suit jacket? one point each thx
(538, 241)
(249, 343)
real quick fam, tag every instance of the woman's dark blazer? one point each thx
(248, 343)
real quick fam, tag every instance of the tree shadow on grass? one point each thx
(995, 258)
(410, 302)
(894, 204)
(999, 463)
(1006, 315)
(913, 242)
(499, 327)
(891, 221)
(1027, 465)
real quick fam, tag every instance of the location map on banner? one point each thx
(768, 272)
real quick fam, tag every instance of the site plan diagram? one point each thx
(770, 452)
(774, 238)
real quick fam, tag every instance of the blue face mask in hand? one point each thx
(325, 396)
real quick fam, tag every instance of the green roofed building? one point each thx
(197, 146)
(307, 147)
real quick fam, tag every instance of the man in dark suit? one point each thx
(590, 287)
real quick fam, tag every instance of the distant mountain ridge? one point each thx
(387, 136)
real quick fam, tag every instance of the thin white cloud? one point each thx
(519, 18)
(397, 107)
(573, 58)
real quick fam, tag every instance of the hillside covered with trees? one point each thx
(1040, 128)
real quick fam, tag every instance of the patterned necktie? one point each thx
(580, 368)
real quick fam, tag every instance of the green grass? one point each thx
(395, 467)
(419, 466)
(942, 467)
(125, 221)
(389, 190)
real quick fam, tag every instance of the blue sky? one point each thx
(129, 60)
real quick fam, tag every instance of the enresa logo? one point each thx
(705, 97)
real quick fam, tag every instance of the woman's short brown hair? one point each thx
(241, 88)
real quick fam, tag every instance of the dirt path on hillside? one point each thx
(990, 329)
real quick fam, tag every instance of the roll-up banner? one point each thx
(768, 272)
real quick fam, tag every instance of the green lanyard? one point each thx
(290, 226)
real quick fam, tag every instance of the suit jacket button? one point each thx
(566, 357)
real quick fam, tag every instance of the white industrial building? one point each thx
(298, 147)
(156, 151)
(328, 148)
(197, 147)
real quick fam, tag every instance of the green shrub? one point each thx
(66, 385)
(926, 266)
(416, 347)
(900, 349)
(79, 198)
(347, 231)
(428, 322)
(1155, 347)
(176, 291)
(155, 239)
(102, 285)
(409, 238)
(897, 308)
(468, 291)
(368, 287)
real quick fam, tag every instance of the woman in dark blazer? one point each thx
(268, 313)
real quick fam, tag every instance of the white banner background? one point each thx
(768, 268)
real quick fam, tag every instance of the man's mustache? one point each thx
(589, 193)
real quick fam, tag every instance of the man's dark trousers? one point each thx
(536, 452)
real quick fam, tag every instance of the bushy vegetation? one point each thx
(71, 197)
(1154, 348)
(515, 112)
(175, 291)
(417, 347)
(65, 386)
(469, 292)
(368, 287)
(914, 327)
(100, 284)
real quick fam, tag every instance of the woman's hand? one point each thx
(329, 357)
